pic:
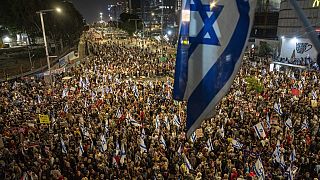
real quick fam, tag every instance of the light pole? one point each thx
(41, 12)
(101, 17)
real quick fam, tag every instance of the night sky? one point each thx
(90, 9)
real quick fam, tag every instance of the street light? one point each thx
(41, 12)
(101, 16)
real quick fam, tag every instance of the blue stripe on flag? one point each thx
(181, 73)
(221, 72)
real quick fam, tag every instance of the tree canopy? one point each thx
(20, 16)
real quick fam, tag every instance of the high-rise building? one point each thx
(266, 19)
(294, 38)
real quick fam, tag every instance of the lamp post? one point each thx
(41, 12)
(101, 17)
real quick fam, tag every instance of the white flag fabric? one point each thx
(81, 151)
(277, 108)
(236, 144)
(209, 144)
(186, 161)
(258, 169)
(293, 155)
(176, 121)
(103, 143)
(259, 130)
(143, 147)
(63, 147)
(288, 123)
(123, 153)
(163, 142)
(193, 137)
(304, 125)
(211, 43)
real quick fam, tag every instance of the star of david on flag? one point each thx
(211, 42)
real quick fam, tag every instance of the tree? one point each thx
(264, 49)
(20, 16)
(128, 23)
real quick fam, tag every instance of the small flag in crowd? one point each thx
(176, 121)
(186, 161)
(288, 123)
(63, 147)
(304, 125)
(293, 155)
(123, 153)
(143, 134)
(39, 99)
(135, 91)
(290, 173)
(268, 121)
(163, 142)
(258, 169)
(84, 131)
(282, 163)
(103, 143)
(167, 123)
(118, 114)
(206, 62)
(66, 108)
(210, 145)
(277, 108)
(259, 130)
(314, 95)
(193, 137)
(157, 122)
(143, 147)
(81, 151)
(117, 148)
(236, 144)
(134, 122)
(222, 131)
(276, 153)
(180, 150)
(65, 92)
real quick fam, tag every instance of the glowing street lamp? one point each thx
(41, 12)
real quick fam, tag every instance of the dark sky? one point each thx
(90, 9)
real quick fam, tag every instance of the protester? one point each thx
(115, 119)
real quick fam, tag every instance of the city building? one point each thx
(266, 19)
(294, 38)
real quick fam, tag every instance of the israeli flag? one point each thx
(143, 134)
(134, 122)
(186, 161)
(209, 144)
(288, 123)
(282, 163)
(258, 169)
(39, 99)
(65, 92)
(118, 114)
(106, 126)
(122, 153)
(103, 143)
(163, 142)
(259, 130)
(143, 147)
(157, 122)
(236, 144)
(81, 151)
(222, 131)
(80, 82)
(212, 39)
(277, 108)
(66, 108)
(180, 150)
(290, 173)
(193, 137)
(314, 95)
(135, 91)
(293, 155)
(305, 125)
(176, 121)
(276, 153)
(268, 121)
(84, 131)
(63, 147)
(167, 123)
(117, 148)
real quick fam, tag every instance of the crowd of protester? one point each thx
(115, 118)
